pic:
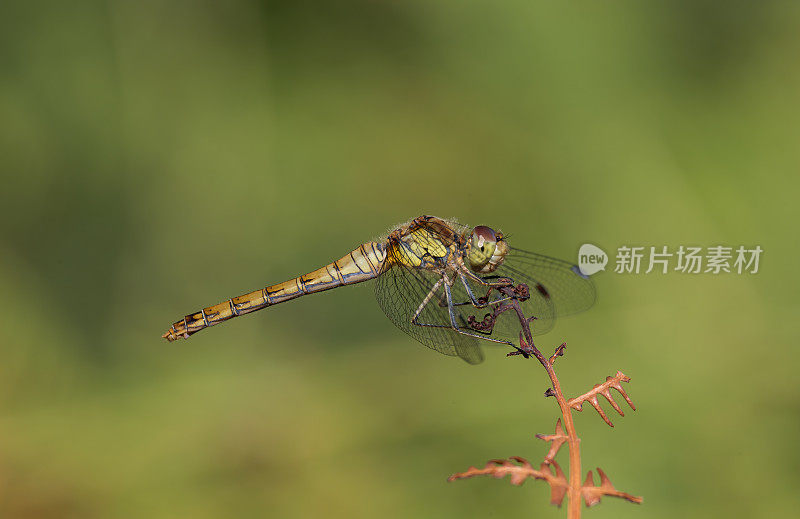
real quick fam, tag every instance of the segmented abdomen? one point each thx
(362, 264)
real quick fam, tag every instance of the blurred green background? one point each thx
(158, 157)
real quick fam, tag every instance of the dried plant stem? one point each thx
(573, 442)
(519, 468)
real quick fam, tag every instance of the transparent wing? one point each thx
(557, 288)
(570, 290)
(401, 291)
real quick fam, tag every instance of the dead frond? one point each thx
(604, 389)
(518, 468)
(558, 439)
(521, 471)
(592, 494)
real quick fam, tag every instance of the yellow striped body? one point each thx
(426, 243)
(364, 263)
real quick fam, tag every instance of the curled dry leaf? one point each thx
(519, 472)
(592, 494)
(558, 439)
(558, 353)
(604, 389)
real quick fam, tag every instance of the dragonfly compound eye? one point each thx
(481, 247)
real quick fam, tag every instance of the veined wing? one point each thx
(570, 290)
(557, 288)
(402, 290)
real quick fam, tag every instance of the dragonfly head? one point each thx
(486, 249)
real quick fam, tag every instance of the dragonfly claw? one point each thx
(483, 326)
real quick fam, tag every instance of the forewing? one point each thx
(557, 287)
(401, 290)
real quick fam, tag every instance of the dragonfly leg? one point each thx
(427, 299)
(472, 298)
(431, 295)
(451, 310)
(489, 281)
(481, 302)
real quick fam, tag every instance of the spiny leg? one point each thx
(431, 294)
(451, 311)
(478, 303)
(472, 299)
(452, 326)
(427, 299)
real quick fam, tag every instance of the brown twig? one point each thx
(523, 470)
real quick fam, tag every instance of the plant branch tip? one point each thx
(559, 352)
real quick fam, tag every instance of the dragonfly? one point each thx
(433, 277)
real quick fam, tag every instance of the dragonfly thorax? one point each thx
(425, 243)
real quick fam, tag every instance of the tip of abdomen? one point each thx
(172, 335)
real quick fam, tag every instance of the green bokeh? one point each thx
(158, 157)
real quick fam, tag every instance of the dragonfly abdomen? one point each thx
(362, 264)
